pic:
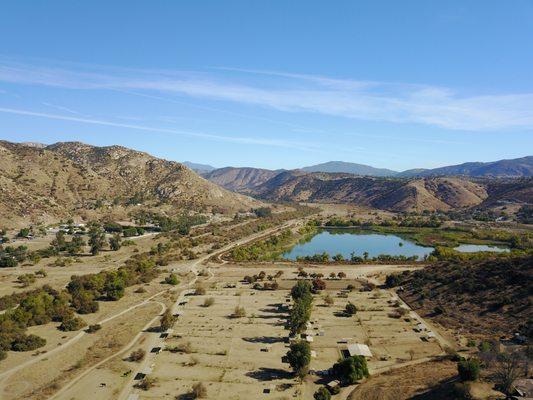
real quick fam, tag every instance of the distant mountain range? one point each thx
(199, 168)
(349, 168)
(518, 167)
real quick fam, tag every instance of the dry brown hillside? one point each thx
(385, 193)
(66, 179)
(240, 179)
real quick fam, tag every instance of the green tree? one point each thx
(72, 324)
(351, 369)
(24, 233)
(299, 357)
(75, 246)
(468, 369)
(96, 239)
(338, 257)
(114, 287)
(59, 242)
(302, 289)
(115, 242)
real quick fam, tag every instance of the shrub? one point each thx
(322, 394)
(72, 324)
(393, 280)
(146, 384)
(468, 369)
(329, 300)
(27, 343)
(318, 284)
(200, 290)
(26, 279)
(350, 309)
(209, 302)
(239, 312)
(172, 279)
(181, 348)
(137, 355)
(94, 328)
(167, 321)
(199, 391)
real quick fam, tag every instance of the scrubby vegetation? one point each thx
(489, 296)
(44, 305)
(265, 249)
(181, 224)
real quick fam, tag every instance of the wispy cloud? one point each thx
(288, 92)
(201, 135)
(61, 108)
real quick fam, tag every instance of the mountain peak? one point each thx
(349, 168)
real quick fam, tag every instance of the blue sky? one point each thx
(273, 84)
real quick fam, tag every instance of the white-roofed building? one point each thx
(359, 349)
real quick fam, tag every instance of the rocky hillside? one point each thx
(64, 179)
(240, 179)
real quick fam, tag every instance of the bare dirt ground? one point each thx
(241, 358)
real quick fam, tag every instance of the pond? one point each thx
(347, 241)
(473, 248)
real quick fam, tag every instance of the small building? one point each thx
(333, 384)
(313, 354)
(357, 349)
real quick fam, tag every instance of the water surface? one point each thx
(347, 241)
(473, 248)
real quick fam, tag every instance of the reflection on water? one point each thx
(346, 242)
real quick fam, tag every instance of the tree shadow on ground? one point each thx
(186, 396)
(269, 374)
(444, 390)
(264, 339)
(273, 310)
